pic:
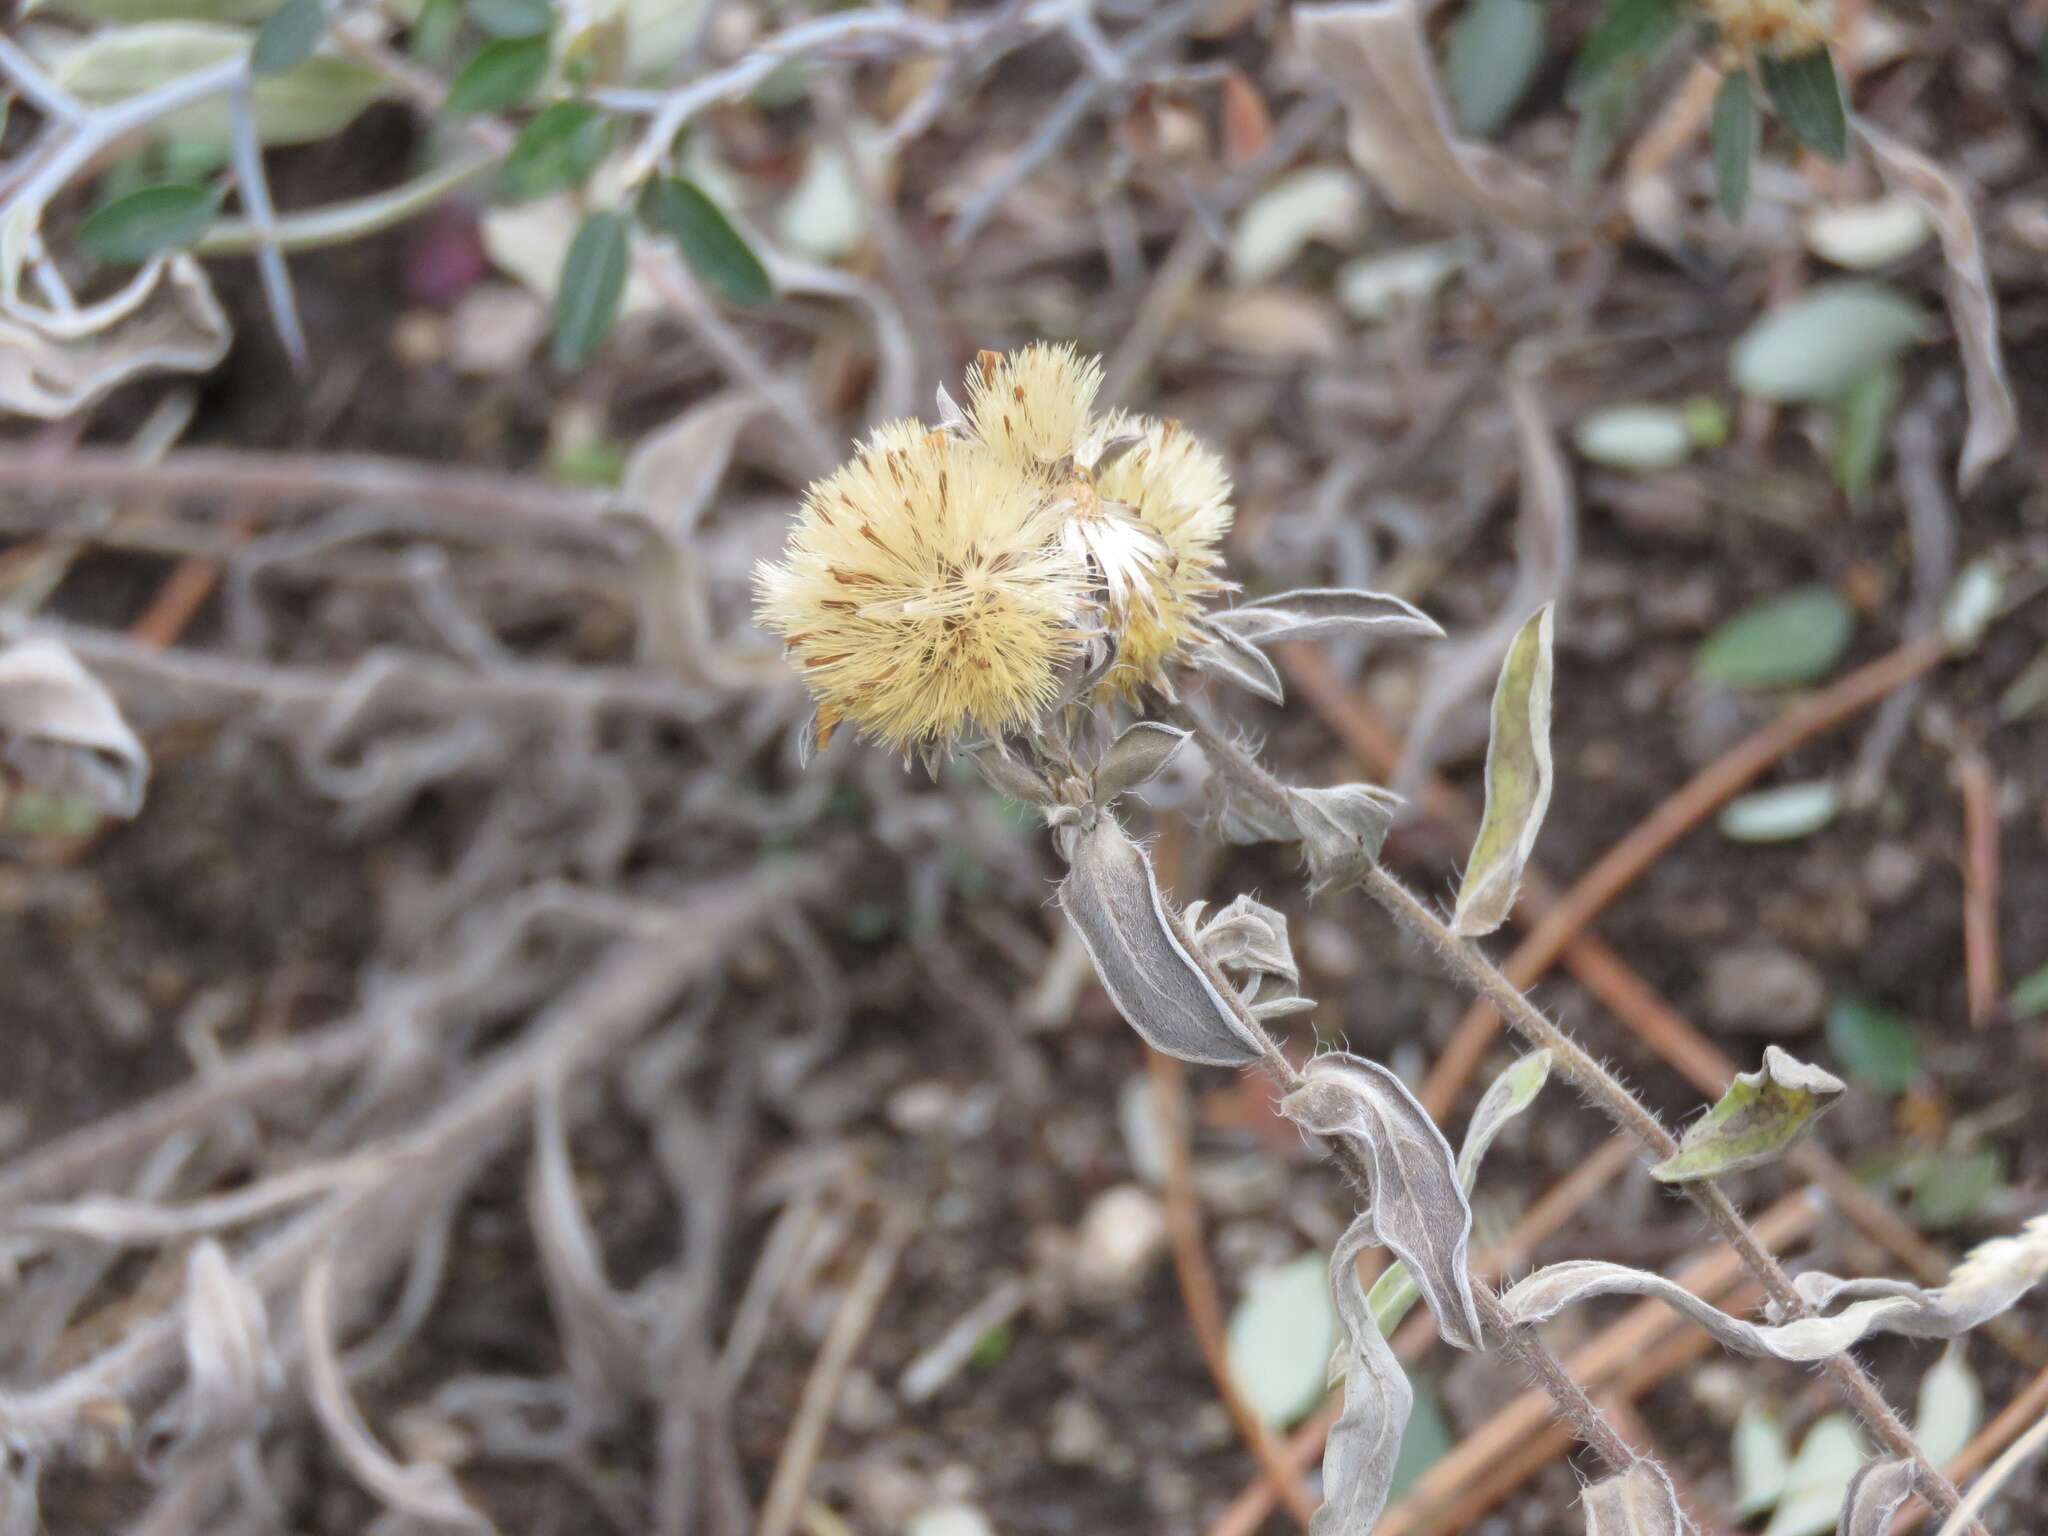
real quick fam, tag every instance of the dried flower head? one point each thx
(1179, 490)
(927, 593)
(1778, 27)
(1143, 504)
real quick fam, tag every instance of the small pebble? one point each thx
(1765, 989)
(1891, 871)
(1121, 1236)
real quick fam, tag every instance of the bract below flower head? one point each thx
(926, 593)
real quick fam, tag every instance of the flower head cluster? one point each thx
(943, 581)
(1778, 27)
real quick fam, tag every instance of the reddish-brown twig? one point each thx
(1979, 786)
(1199, 1291)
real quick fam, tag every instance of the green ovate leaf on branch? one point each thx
(1638, 1502)
(1781, 814)
(716, 252)
(501, 74)
(148, 221)
(557, 150)
(1736, 132)
(1807, 95)
(593, 279)
(1517, 781)
(1112, 898)
(1762, 1114)
(1863, 420)
(1795, 637)
(288, 37)
(1629, 33)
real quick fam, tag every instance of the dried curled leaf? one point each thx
(1417, 1207)
(1246, 937)
(1639, 1502)
(1112, 898)
(1342, 829)
(1136, 757)
(1876, 1493)
(1972, 305)
(1762, 1113)
(60, 729)
(1378, 58)
(1324, 613)
(165, 319)
(1988, 1281)
(1506, 1097)
(1365, 1442)
(1517, 780)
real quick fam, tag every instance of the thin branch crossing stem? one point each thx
(1468, 964)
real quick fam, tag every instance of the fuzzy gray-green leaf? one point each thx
(1638, 1502)
(1417, 1207)
(1112, 898)
(1365, 1443)
(1136, 757)
(1517, 781)
(1876, 1493)
(1341, 829)
(1325, 613)
(1762, 1114)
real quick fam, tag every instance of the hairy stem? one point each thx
(1465, 961)
(1520, 1343)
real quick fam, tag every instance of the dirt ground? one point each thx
(892, 1080)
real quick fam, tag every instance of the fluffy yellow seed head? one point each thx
(1034, 407)
(927, 593)
(1179, 490)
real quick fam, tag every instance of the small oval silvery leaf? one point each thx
(1761, 1115)
(1639, 1502)
(1876, 1493)
(1365, 1442)
(1236, 660)
(1325, 613)
(1418, 1207)
(1517, 781)
(1112, 898)
(1136, 757)
(1342, 829)
(1007, 776)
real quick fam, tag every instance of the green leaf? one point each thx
(435, 31)
(1781, 814)
(1630, 32)
(1819, 1478)
(1808, 96)
(133, 228)
(1951, 1407)
(1637, 436)
(1795, 637)
(513, 18)
(288, 38)
(1280, 1338)
(314, 100)
(1874, 1045)
(557, 150)
(1953, 1188)
(679, 210)
(593, 279)
(1763, 1460)
(1494, 53)
(1862, 424)
(1810, 351)
(1517, 781)
(501, 74)
(1762, 1113)
(1602, 117)
(2030, 997)
(1736, 131)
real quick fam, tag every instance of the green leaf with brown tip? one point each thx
(1517, 780)
(1761, 1114)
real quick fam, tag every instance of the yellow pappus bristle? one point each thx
(1180, 490)
(925, 594)
(1031, 406)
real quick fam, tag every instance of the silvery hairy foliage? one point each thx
(1638, 1502)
